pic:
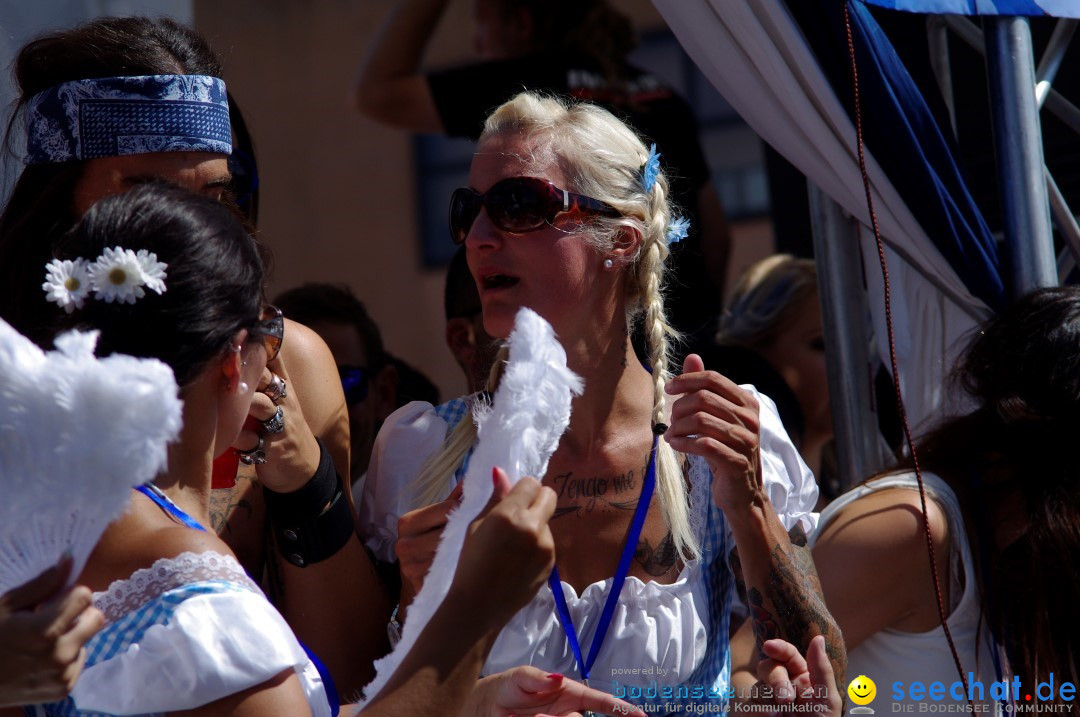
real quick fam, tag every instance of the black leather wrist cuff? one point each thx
(312, 498)
(312, 524)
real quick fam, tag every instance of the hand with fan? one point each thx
(43, 628)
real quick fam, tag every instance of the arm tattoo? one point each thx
(736, 570)
(765, 627)
(798, 611)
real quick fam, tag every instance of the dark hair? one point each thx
(41, 206)
(413, 384)
(460, 296)
(213, 283)
(590, 27)
(312, 303)
(1016, 450)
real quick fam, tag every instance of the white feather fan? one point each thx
(76, 434)
(518, 433)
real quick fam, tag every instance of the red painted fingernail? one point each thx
(555, 677)
(495, 476)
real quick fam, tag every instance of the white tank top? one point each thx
(891, 656)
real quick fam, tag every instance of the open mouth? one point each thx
(493, 282)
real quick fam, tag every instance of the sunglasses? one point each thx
(271, 329)
(355, 382)
(518, 205)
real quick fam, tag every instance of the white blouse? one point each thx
(180, 634)
(659, 634)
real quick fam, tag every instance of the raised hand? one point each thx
(419, 532)
(509, 551)
(809, 681)
(291, 454)
(717, 420)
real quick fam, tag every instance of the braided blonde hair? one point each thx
(602, 158)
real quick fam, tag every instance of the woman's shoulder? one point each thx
(311, 367)
(142, 538)
(883, 520)
(871, 555)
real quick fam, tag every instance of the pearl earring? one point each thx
(242, 387)
(608, 263)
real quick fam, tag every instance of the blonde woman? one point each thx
(567, 213)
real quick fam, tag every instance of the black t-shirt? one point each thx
(466, 96)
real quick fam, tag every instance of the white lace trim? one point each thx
(125, 596)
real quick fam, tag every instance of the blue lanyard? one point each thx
(629, 548)
(154, 493)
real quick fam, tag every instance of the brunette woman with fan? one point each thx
(176, 278)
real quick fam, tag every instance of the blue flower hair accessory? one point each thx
(677, 230)
(650, 170)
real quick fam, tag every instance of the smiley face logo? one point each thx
(862, 690)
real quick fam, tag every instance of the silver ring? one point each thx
(276, 423)
(256, 456)
(276, 390)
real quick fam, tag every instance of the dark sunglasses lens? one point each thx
(519, 204)
(354, 382)
(464, 206)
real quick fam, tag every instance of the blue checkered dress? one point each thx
(129, 630)
(710, 680)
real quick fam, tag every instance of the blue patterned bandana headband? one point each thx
(114, 116)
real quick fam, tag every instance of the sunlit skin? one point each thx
(203, 172)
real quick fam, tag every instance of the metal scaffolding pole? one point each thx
(844, 317)
(1010, 67)
(1052, 57)
(969, 32)
(937, 35)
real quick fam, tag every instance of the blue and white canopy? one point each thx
(1035, 8)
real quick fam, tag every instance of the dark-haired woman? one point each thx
(162, 273)
(1003, 505)
(110, 105)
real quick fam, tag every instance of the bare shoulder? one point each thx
(872, 560)
(172, 542)
(886, 523)
(138, 539)
(313, 372)
(302, 345)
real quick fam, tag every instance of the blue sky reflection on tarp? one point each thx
(1053, 8)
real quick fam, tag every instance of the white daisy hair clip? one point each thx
(118, 275)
